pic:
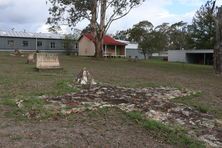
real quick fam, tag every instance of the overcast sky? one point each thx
(31, 15)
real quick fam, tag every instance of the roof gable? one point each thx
(107, 40)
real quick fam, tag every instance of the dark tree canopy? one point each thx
(139, 30)
(122, 35)
(203, 26)
(178, 36)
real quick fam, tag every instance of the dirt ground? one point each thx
(110, 129)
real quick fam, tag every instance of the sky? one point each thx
(31, 15)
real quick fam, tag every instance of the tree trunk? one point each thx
(101, 30)
(218, 46)
(145, 56)
(93, 23)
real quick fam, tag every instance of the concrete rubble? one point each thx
(84, 78)
(155, 103)
(17, 52)
(46, 61)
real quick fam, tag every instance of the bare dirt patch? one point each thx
(89, 129)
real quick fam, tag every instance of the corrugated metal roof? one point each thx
(31, 35)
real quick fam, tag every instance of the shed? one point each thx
(111, 47)
(198, 56)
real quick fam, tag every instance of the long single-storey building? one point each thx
(111, 47)
(198, 56)
(26, 41)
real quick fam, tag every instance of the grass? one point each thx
(63, 87)
(170, 134)
(201, 106)
(20, 79)
(33, 108)
(16, 137)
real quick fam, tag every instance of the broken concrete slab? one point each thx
(47, 61)
(31, 58)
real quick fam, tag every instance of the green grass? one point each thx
(16, 137)
(196, 102)
(63, 87)
(170, 134)
(35, 107)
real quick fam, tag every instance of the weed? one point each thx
(193, 101)
(63, 87)
(16, 137)
(31, 108)
(171, 134)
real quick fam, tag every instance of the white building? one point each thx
(198, 56)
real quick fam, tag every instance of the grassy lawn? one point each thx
(18, 79)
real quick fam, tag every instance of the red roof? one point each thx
(107, 40)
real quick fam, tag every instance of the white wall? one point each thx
(86, 47)
(177, 56)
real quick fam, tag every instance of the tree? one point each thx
(147, 45)
(122, 35)
(179, 37)
(141, 33)
(68, 43)
(162, 38)
(139, 30)
(203, 26)
(87, 29)
(218, 45)
(71, 12)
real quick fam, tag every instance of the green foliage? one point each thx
(139, 30)
(78, 10)
(203, 28)
(171, 134)
(69, 43)
(123, 35)
(155, 39)
(179, 37)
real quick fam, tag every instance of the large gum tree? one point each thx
(100, 13)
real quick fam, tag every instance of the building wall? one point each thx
(46, 44)
(177, 56)
(133, 53)
(86, 47)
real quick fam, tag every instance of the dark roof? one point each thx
(107, 40)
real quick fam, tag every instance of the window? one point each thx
(52, 44)
(11, 43)
(25, 43)
(39, 43)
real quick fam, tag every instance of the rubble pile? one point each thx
(155, 103)
(17, 52)
(84, 78)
